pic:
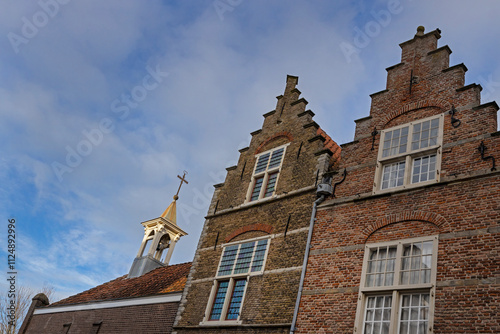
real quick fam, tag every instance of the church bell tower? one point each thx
(160, 236)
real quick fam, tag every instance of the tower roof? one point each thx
(170, 213)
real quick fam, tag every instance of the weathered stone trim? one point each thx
(353, 289)
(349, 143)
(377, 93)
(299, 101)
(469, 282)
(336, 249)
(321, 152)
(442, 236)
(263, 201)
(445, 47)
(465, 141)
(448, 283)
(308, 125)
(269, 113)
(451, 68)
(390, 68)
(318, 137)
(444, 181)
(469, 233)
(299, 230)
(485, 105)
(362, 119)
(282, 270)
(266, 272)
(309, 111)
(276, 235)
(472, 85)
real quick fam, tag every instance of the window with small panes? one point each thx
(266, 173)
(397, 287)
(238, 262)
(409, 154)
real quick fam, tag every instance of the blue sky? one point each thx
(147, 89)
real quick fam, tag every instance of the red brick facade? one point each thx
(460, 211)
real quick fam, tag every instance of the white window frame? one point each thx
(265, 175)
(408, 157)
(396, 290)
(232, 278)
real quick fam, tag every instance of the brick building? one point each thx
(144, 301)
(247, 267)
(410, 241)
(407, 243)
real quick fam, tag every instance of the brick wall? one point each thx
(463, 209)
(154, 318)
(270, 297)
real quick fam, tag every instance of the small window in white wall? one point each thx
(410, 154)
(266, 174)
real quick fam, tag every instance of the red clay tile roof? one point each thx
(330, 144)
(161, 280)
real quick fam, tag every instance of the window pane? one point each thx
(227, 262)
(426, 261)
(276, 158)
(250, 254)
(377, 314)
(395, 142)
(379, 280)
(424, 168)
(256, 188)
(389, 279)
(244, 258)
(416, 263)
(380, 270)
(370, 280)
(235, 304)
(393, 175)
(414, 313)
(271, 182)
(426, 276)
(220, 296)
(258, 258)
(403, 327)
(425, 134)
(262, 163)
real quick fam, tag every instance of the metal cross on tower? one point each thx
(183, 180)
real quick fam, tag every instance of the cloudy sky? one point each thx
(104, 103)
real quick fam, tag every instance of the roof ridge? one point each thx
(151, 283)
